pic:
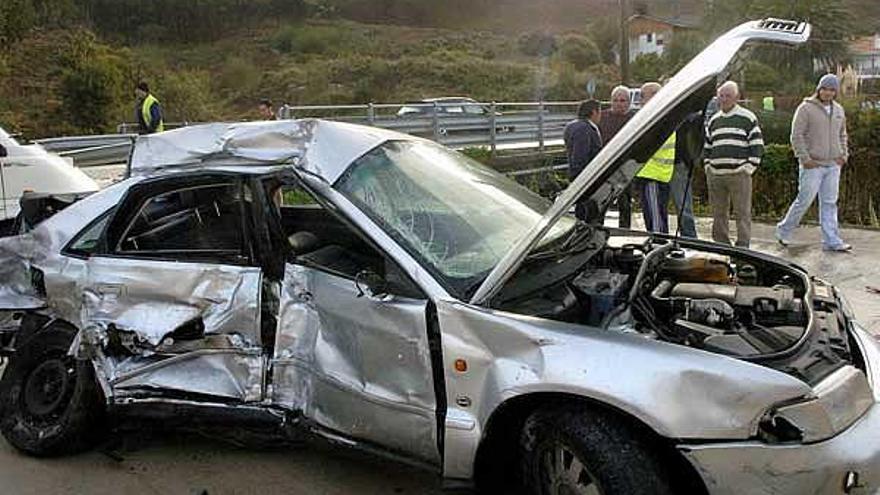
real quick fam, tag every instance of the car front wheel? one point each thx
(581, 451)
(50, 403)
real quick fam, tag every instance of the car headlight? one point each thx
(836, 402)
(801, 422)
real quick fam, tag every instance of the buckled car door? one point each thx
(351, 347)
(175, 294)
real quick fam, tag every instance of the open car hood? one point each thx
(622, 157)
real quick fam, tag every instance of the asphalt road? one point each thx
(187, 464)
(193, 465)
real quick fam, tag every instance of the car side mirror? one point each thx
(3, 152)
(372, 285)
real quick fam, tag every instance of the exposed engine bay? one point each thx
(734, 304)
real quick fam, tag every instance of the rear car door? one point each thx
(176, 292)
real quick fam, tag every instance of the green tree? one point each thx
(579, 51)
(91, 93)
(684, 46)
(186, 96)
(17, 17)
(92, 83)
(832, 27)
(606, 33)
(648, 67)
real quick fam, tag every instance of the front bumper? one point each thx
(820, 468)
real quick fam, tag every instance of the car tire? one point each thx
(585, 451)
(51, 403)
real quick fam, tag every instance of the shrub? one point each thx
(606, 77)
(92, 85)
(238, 77)
(762, 77)
(478, 153)
(568, 83)
(648, 67)
(579, 51)
(775, 126)
(537, 44)
(186, 96)
(311, 39)
(91, 93)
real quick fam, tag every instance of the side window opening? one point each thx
(86, 243)
(319, 239)
(189, 222)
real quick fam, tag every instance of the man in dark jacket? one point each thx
(148, 112)
(613, 119)
(582, 143)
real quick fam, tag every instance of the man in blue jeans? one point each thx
(819, 141)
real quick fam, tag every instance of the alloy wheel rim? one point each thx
(47, 388)
(564, 473)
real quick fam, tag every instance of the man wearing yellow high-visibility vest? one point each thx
(148, 111)
(653, 179)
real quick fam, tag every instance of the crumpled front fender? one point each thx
(679, 392)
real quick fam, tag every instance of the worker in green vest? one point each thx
(148, 111)
(652, 181)
(769, 103)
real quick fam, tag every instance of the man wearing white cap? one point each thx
(819, 141)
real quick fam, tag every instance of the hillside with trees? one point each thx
(70, 66)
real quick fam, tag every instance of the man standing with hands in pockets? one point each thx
(819, 141)
(732, 152)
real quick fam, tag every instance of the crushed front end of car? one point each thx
(797, 413)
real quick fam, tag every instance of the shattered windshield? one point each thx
(453, 214)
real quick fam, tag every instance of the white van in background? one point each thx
(30, 168)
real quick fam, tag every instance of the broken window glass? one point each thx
(455, 215)
(197, 219)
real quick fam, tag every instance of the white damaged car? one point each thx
(380, 290)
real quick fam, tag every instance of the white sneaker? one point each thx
(840, 248)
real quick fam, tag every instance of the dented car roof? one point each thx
(317, 147)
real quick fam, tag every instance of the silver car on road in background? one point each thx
(382, 291)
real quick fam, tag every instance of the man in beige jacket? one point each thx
(819, 141)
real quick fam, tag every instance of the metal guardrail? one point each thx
(91, 151)
(458, 125)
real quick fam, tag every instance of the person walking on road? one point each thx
(732, 152)
(819, 141)
(652, 181)
(583, 141)
(148, 111)
(613, 119)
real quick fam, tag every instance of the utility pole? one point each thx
(624, 41)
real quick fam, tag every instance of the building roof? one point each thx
(683, 22)
(865, 45)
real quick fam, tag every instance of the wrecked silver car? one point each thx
(382, 291)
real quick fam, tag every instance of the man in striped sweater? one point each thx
(733, 150)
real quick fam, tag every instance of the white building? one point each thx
(866, 56)
(649, 34)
